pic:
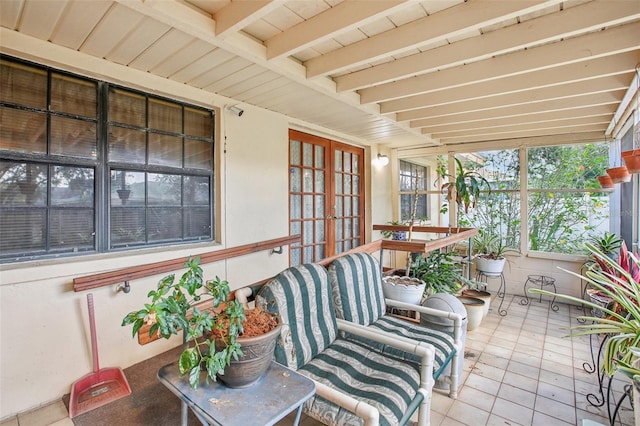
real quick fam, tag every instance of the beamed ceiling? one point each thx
(400, 73)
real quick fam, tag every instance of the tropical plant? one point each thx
(620, 320)
(171, 309)
(607, 242)
(464, 187)
(438, 270)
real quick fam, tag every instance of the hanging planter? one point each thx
(605, 181)
(632, 160)
(619, 174)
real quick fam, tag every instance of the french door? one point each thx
(326, 202)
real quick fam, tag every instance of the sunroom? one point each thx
(137, 132)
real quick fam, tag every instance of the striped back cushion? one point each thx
(302, 297)
(356, 283)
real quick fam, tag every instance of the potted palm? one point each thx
(224, 340)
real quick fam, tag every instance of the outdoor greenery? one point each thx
(559, 218)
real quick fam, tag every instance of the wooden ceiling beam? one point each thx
(603, 43)
(567, 23)
(586, 101)
(438, 27)
(538, 117)
(544, 94)
(343, 17)
(571, 130)
(239, 14)
(551, 77)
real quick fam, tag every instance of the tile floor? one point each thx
(519, 370)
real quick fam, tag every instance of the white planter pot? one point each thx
(490, 266)
(403, 289)
(475, 311)
(485, 296)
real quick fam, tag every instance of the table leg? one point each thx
(296, 422)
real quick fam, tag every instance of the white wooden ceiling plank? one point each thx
(524, 96)
(604, 43)
(240, 89)
(191, 56)
(322, 26)
(238, 14)
(585, 101)
(162, 58)
(283, 18)
(10, 11)
(145, 34)
(201, 65)
(525, 134)
(242, 75)
(255, 95)
(222, 70)
(409, 13)
(531, 119)
(261, 30)
(588, 17)
(209, 6)
(598, 121)
(216, 57)
(600, 67)
(112, 28)
(458, 19)
(39, 18)
(77, 22)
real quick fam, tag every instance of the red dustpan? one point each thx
(100, 387)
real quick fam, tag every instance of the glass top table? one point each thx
(279, 392)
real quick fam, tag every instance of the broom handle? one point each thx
(94, 338)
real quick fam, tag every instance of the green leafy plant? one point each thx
(620, 281)
(608, 243)
(438, 270)
(171, 309)
(463, 188)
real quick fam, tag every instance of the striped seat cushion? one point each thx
(356, 282)
(301, 295)
(442, 341)
(366, 374)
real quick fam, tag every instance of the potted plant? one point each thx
(620, 281)
(395, 235)
(214, 337)
(490, 251)
(464, 188)
(439, 272)
(608, 243)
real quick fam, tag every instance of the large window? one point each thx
(564, 202)
(86, 166)
(413, 190)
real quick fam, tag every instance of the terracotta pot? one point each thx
(632, 160)
(605, 181)
(619, 174)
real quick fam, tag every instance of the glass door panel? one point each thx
(325, 199)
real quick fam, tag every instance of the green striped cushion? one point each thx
(442, 341)
(302, 297)
(356, 282)
(366, 374)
